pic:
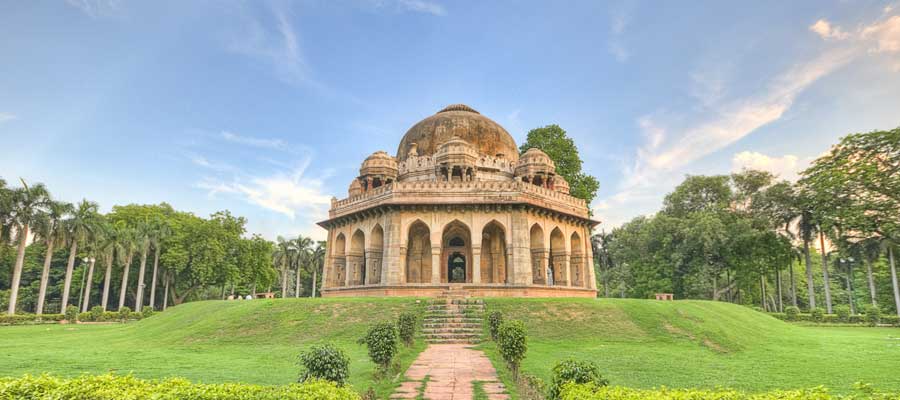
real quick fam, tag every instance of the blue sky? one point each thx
(267, 108)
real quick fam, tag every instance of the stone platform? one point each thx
(460, 290)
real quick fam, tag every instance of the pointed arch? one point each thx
(538, 254)
(374, 255)
(418, 253)
(558, 258)
(456, 253)
(339, 261)
(576, 261)
(493, 253)
(356, 258)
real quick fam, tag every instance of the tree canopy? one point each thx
(554, 141)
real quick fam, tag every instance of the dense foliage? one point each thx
(494, 320)
(512, 343)
(828, 240)
(112, 387)
(381, 341)
(406, 326)
(554, 141)
(325, 362)
(574, 371)
(593, 392)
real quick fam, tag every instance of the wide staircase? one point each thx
(452, 318)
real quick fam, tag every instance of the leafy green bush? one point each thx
(325, 362)
(124, 313)
(512, 343)
(792, 313)
(843, 313)
(84, 317)
(381, 340)
(873, 315)
(817, 314)
(574, 371)
(96, 313)
(494, 321)
(406, 325)
(112, 387)
(147, 312)
(573, 391)
(71, 313)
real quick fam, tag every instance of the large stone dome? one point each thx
(485, 135)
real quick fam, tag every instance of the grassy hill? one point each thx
(645, 344)
(637, 343)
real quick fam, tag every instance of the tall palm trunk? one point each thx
(780, 303)
(793, 284)
(107, 281)
(68, 282)
(313, 294)
(45, 278)
(825, 273)
(894, 280)
(153, 280)
(17, 272)
(87, 287)
(762, 291)
(810, 286)
(139, 299)
(166, 295)
(283, 279)
(297, 283)
(125, 280)
(871, 281)
(850, 288)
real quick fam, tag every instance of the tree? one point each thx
(317, 263)
(303, 258)
(554, 141)
(52, 232)
(79, 229)
(126, 244)
(160, 231)
(26, 205)
(143, 234)
(284, 252)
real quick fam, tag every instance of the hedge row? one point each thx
(591, 392)
(892, 320)
(32, 319)
(112, 387)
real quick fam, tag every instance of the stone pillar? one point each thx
(568, 267)
(374, 267)
(539, 260)
(435, 264)
(476, 264)
(348, 266)
(326, 269)
(393, 265)
(519, 250)
(590, 276)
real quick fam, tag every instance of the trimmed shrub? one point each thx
(494, 321)
(406, 326)
(792, 313)
(147, 312)
(843, 313)
(574, 371)
(817, 314)
(325, 362)
(96, 313)
(512, 343)
(381, 340)
(572, 391)
(124, 313)
(84, 317)
(71, 313)
(112, 387)
(873, 315)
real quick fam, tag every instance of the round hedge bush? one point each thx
(494, 321)
(873, 315)
(325, 362)
(843, 313)
(512, 342)
(575, 371)
(381, 340)
(406, 326)
(817, 314)
(792, 313)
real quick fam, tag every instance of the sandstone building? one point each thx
(458, 209)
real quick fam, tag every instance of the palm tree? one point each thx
(317, 261)
(160, 232)
(143, 234)
(283, 253)
(302, 247)
(79, 229)
(127, 243)
(807, 230)
(52, 232)
(27, 204)
(825, 278)
(107, 247)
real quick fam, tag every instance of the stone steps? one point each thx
(454, 319)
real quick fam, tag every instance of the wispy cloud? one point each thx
(619, 21)
(422, 6)
(253, 141)
(95, 8)
(785, 167)
(5, 117)
(824, 29)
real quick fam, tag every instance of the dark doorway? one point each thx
(456, 268)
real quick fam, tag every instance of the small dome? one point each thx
(560, 184)
(486, 136)
(456, 150)
(355, 189)
(535, 161)
(379, 163)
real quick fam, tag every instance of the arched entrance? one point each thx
(493, 253)
(418, 254)
(456, 251)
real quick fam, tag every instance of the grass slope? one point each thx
(645, 344)
(211, 341)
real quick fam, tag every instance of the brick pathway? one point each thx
(452, 370)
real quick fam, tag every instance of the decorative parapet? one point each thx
(416, 163)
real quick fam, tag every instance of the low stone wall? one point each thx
(410, 290)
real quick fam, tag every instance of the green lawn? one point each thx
(211, 341)
(645, 344)
(638, 343)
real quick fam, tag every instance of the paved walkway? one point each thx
(451, 371)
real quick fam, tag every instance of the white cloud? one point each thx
(884, 37)
(423, 6)
(619, 19)
(95, 8)
(785, 167)
(252, 141)
(6, 117)
(824, 29)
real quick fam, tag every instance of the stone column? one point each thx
(476, 264)
(519, 250)
(589, 260)
(436, 264)
(326, 269)
(568, 267)
(393, 265)
(348, 266)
